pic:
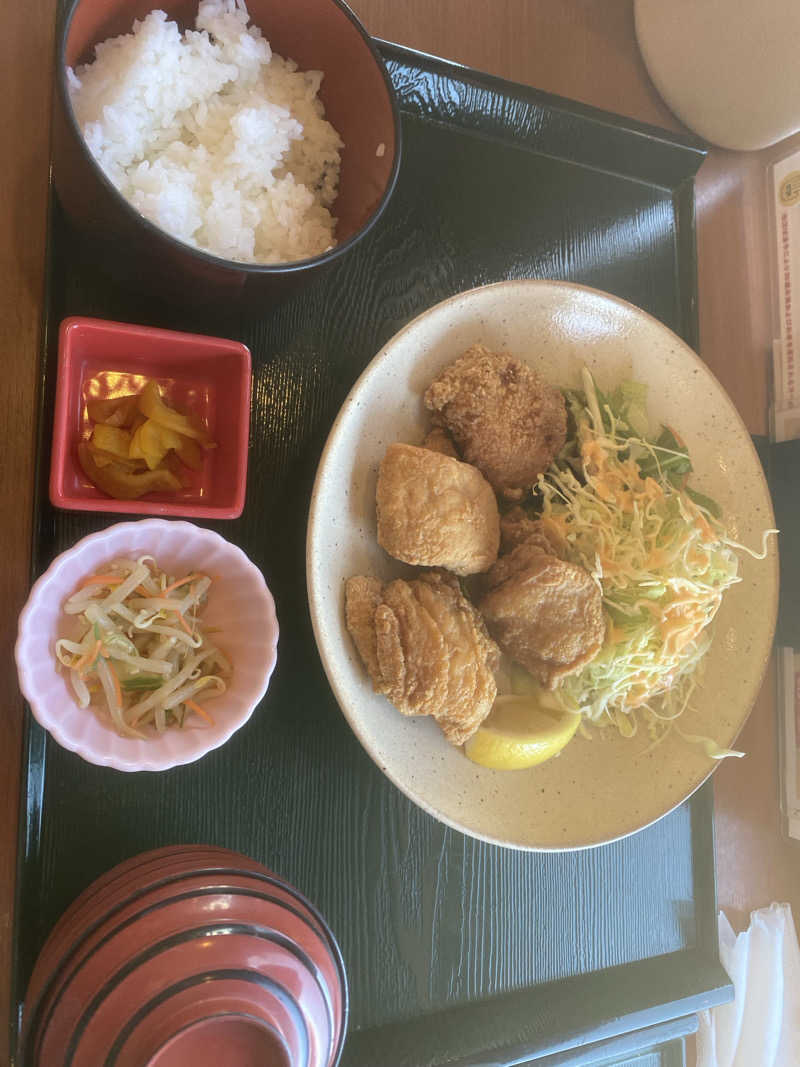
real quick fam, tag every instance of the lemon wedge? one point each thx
(519, 732)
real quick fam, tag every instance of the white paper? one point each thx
(761, 1027)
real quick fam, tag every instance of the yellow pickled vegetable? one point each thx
(113, 440)
(139, 444)
(152, 405)
(151, 443)
(122, 484)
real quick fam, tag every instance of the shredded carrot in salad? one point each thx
(143, 652)
(192, 706)
(619, 505)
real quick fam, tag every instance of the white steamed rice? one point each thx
(213, 137)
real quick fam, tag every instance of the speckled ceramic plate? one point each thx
(596, 790)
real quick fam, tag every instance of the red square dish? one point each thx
(205, 376)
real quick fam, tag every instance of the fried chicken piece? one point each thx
(426, 649)
(362, 597)
(547, 614)
(434, 511)
(502, 416)
(516, 527)
(439, 440)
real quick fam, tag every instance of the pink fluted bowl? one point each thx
(240, 605)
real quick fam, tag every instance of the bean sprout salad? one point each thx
(143, 658)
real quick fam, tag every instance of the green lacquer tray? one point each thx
(458, 952)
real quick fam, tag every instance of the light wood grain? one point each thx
(25, 74)
(584, 49)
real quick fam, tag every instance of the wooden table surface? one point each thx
(583, 49)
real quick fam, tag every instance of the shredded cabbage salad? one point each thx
(617, 503)
(143, 658)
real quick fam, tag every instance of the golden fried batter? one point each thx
(362, 597)
(517, 526)
(501, 415)
(547, 614)
(434, 511)
(439, 440)
(426, 649)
